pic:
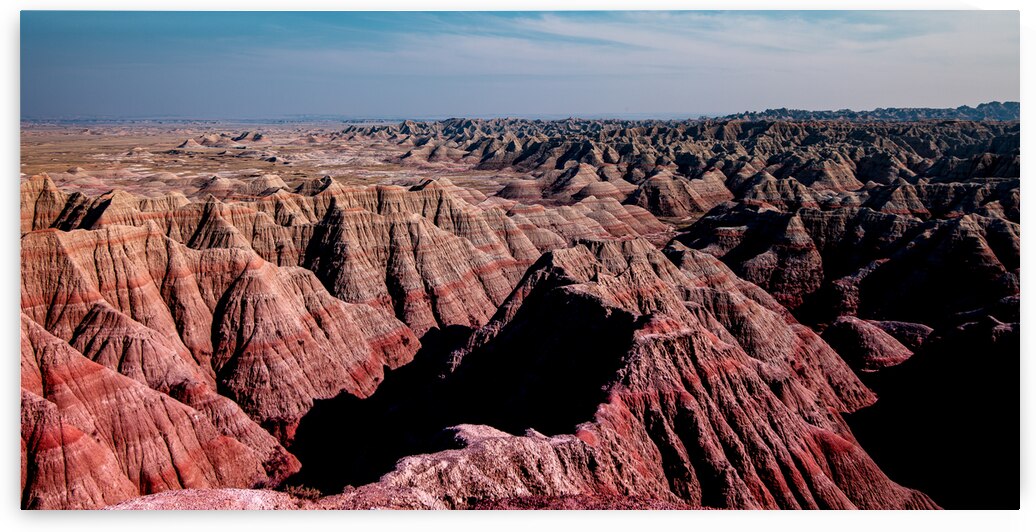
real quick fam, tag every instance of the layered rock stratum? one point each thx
(528, 314)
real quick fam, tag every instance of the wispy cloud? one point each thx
(651, 62)
(650, 44)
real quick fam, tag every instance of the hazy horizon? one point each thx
(316, 119)
(624, 64)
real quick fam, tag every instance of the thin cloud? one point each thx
(641, 62)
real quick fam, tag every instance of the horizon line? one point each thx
(332, 117)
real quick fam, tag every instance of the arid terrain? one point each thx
(767, 311)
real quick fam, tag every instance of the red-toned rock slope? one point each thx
(223, 311)
(552, 344)
(704, 396)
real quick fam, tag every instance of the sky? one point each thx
(254, 65)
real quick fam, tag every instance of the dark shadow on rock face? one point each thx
(351, 441)
(949, 272)
(947, 420)
(548, 371)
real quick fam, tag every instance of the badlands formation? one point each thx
(763, 313)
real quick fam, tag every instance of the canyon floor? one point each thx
(745, 313)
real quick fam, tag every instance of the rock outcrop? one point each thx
(684, 394)
(865, 345)
(425, 255)
(269, 338)
(92, 437)
(527, 314)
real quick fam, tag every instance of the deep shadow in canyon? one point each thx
(956, 399)
(548, 370)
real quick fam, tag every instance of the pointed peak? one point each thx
(40, 182)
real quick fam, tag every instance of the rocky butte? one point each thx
(774, 310)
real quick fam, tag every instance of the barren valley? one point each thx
(763, 311)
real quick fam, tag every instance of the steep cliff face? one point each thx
(185, 321)
(177, 297)
(426, 255)
(41, 203)
(92, 437)
(428, 277)
(672, 196)
(681, 170)
(689, 395)
(770, 248)
(924, 423)
(544, 341)
(865, 345)
(858, 261)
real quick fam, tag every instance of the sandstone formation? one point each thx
(681, 170)
(865, 345)
(678, 401)
(426, 255)
(507, 313)
(983, 111)
(92, 437)
(269, 338)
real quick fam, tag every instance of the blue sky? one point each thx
(427, 65)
